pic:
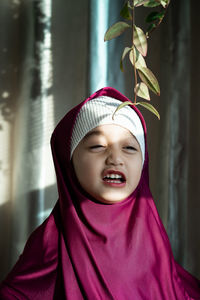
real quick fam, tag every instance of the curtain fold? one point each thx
(98, 59)
(104, 58)
(52, 56)
(179, 130)
(193, 203)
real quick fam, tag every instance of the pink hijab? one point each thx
(89, 250)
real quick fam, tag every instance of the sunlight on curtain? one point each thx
(98, 48)
(5, 159)
(34, 174)
(47, 174)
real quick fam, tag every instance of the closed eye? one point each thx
(130, 148)
(96, 148)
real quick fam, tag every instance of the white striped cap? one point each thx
(99, 111)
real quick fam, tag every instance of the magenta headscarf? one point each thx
(89, 250)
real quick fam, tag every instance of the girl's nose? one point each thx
(114, 158)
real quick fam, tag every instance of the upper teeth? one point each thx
(116, 176)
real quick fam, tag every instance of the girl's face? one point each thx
(108, 163)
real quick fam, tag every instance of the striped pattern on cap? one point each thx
(99, 111)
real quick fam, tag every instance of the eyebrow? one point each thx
(91, 133)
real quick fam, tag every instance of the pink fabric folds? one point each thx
(89, 250)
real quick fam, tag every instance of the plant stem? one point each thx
(134, 68)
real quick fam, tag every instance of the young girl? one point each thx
(104, 238)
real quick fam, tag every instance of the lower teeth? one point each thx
(114, 181)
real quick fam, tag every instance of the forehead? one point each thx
(110, 131)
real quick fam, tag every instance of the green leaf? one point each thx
(142, 91)
(136, 57)
(115, 30)
(150, 107)
(121, 106)
(164, 3)
(149, 79)
(150, 28)
(153, 3)
(140, 40)
(144, 104)
(126, 50)
(155, 16)
(125, 13)
(140, 2)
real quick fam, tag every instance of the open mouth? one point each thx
(115, 177)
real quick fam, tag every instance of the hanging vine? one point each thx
(138, 49)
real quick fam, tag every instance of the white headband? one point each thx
(99, 111)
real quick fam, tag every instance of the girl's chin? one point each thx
(111, 200)
(110, 197)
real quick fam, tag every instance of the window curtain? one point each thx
(52, 56)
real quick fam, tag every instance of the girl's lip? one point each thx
(107, 172)
(115, 184)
